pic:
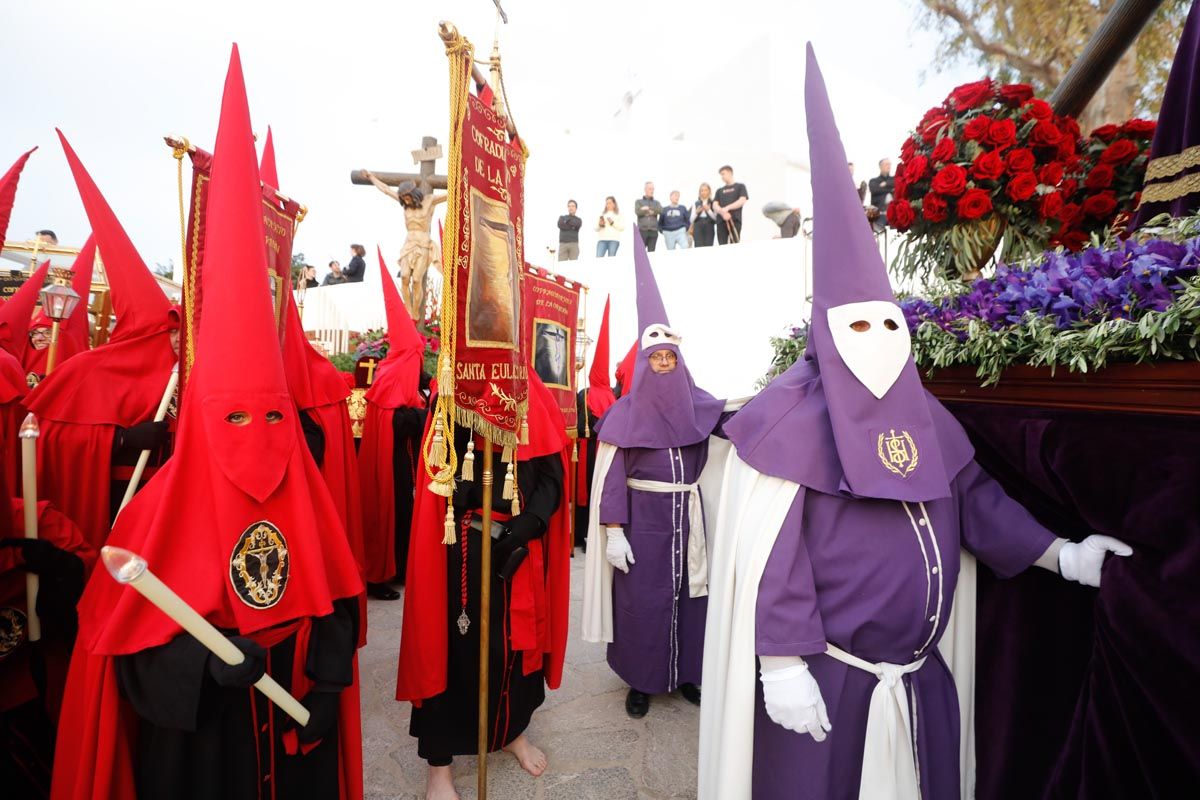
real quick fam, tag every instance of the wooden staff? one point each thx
(144, 457)
(129, 568)
(52, 356)
(29, 436)
(485, 613)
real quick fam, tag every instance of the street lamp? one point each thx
(58, 302)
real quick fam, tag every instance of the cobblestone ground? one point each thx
(596, 751)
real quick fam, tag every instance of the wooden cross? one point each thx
(425, 158)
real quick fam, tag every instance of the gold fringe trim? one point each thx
(467, 418)
(1166, 192)
(1166, 166)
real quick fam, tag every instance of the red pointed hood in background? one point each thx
(8, 191)
(625, 369)
(17, 314)
(267, 172)
(138, 302)
(397, 382)
(600, 394)
(239, 464)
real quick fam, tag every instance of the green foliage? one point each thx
(343, 361)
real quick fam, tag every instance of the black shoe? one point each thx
(690, 692)
(637, 703)
(381, 591)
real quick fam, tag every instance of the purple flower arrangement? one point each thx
(1073, 290)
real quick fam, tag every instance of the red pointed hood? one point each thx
(266, 168)
(625, 369)
(239, 523)
(138, 302)
(16, 315)
(77, 326)
(600, 394)
(397, 383)
(8, 191)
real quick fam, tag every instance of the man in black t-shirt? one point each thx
(568, 234)
(728, 203)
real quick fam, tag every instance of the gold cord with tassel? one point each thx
(448, 532)
(524, 431)
(507, 492)
(516, 504)
(468, 465)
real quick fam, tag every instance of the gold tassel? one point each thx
(507, 492)
(516, 504)
(507, 454)
(443, 483)
(437, 452)
(448, 534)
(468, 467)
(525, 431)
(574, 452)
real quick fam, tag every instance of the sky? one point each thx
(357, 84)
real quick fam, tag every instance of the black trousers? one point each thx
(723, 236)
(703, 232)
(650, 239)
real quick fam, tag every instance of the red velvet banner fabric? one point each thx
(551, 319)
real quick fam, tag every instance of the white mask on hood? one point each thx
(875, 352)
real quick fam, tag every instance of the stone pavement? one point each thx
(596, 751)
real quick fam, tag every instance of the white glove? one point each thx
(618, 551)
(793, 700)
(1082, 562)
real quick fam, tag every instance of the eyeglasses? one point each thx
(663, 358)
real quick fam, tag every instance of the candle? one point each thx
(29, 436)
(144, 457)
(130, 568)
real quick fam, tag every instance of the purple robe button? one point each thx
(921, 522)
(934, 570)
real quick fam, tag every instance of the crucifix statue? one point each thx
(414, 191)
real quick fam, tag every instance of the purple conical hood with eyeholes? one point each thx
(816, 424)
(659, 410)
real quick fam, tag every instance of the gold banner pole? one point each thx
(485, 614)
(52, 356)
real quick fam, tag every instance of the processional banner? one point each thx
(484, 252)
(552, 319)
(281, 215)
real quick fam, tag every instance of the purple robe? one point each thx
(872, 577)
(658, 630)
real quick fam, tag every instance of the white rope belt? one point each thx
(889, 769)
(697, 555)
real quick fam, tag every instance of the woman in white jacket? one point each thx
(609, 228)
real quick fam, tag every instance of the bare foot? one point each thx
(529, 757)
(439, 784)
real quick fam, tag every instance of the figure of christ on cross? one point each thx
(415, 193)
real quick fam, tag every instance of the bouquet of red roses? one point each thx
(983, 169)
(1106, 186)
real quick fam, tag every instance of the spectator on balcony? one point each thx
(568, 234)
(357, 268)
(647, 209)
(673, 221)
(335, 275)
(608, 229)
(704, 218)
(728, 205)
(883, 186)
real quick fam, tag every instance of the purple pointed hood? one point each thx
(816, 424)
(665, 410)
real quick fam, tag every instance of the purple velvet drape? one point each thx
(1086, 694)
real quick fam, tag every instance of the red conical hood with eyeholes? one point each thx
(397, 382)
(239, 523)
(8, 191)
(17, 314)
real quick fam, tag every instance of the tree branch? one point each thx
(950, 10)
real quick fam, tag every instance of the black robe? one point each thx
(446, 725)
(197, 739)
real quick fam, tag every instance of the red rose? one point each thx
(977, 128)
(900, 214)
(1069, 186)
(908, 149)
(1071, 240)
(1051, 206)
(944, 150)
(1037, 109)
(1016, 93)
(1001, 133)
(915, 170)
(934, 208)
(1101, 177)
(900, 192)
(1022, 186)
(1071, 212)
(988, 166)
(1020, 159)
(932, 127)
(974, 204)
(1142, 128)
(1066, 147)
(1100, 206)
(1051, 174)
(1105, 133)
(970, 95)
(1045, 134)
(1122, 151)
(950, 180)
(1069, 126)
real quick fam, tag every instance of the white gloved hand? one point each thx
(618, 551)
(793, 700)
(1082, 562)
